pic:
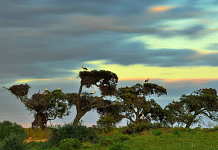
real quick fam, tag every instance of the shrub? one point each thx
(11, 136)
(118, 146)
(122, 138)
(87, 145)
(40, 146)
(12, 142)
(81, 133)
(105, 140)
(70, 144)
(7, 128)
(109, 140)
(137, 127)
(156, 132)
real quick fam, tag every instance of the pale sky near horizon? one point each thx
(44, 43)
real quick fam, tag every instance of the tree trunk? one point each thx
(79, 115)
(188, 124)
(40, 120)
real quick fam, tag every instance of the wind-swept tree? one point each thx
(47, 105)
(105, 81)
(136, 104)
(190, 108)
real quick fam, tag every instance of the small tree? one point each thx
(136, 106)
(192, 107)
(47, 105)
(176, 113)
(105, 81)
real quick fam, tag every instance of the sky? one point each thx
(44, 43)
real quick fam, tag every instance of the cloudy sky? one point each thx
(44, 43)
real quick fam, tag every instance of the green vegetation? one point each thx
(153, 139)
(80, 133)
(70, 144)
(11, 136)
(116, 139)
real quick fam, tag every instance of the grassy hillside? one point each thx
(155, 139)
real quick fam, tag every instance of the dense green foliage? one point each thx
(7, 128)
(70, 144)
(11, 136)
(81, 133)
(153, 139)
(12, 142)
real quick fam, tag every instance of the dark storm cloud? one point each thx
(46, 59)
(47, 38)
(32, 13)
(137, 53)
(45, 13)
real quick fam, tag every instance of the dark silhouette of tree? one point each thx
(176, 113)
(46, 106)
(192, 107)
(105, 81)
(110, 115)
(136, 104)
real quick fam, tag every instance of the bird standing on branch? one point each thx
(84, 68)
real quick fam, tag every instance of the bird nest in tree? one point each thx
(19, 90)
(105, 80)
(89, 78)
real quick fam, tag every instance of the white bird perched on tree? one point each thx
(84, 68)
(93, 92)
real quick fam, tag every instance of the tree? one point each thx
(110, 115)
(46, 106)
(176, 113)
(190, 108)
(105, 81)
(136, 105)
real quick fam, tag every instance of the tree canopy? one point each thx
(136, 104)
(190, 108)
(47, 105)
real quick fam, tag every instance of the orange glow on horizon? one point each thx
(167, 80)
(192, 80)
(158, 9)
